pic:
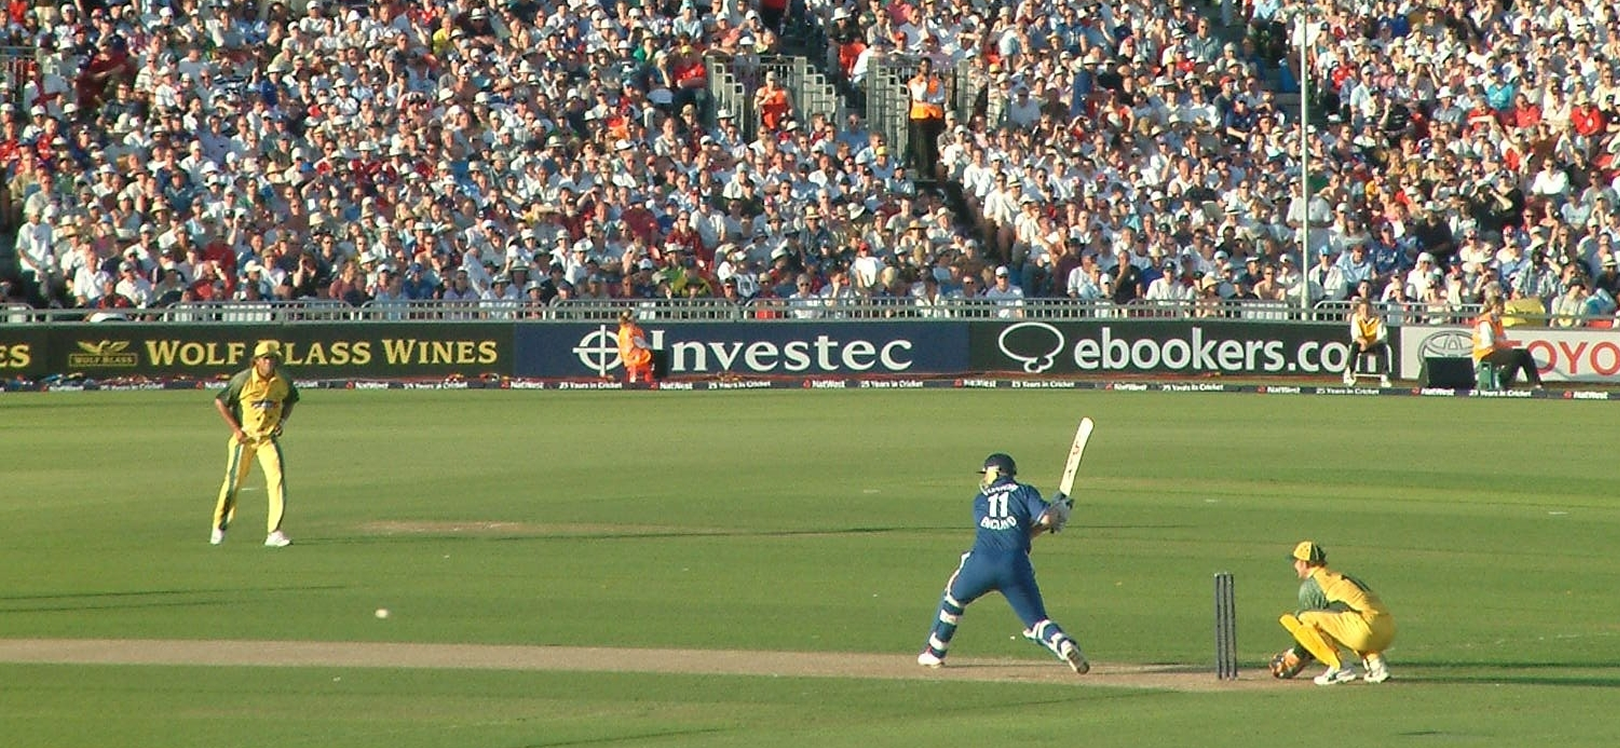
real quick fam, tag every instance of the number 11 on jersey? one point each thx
(998, 505)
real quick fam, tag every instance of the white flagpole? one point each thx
(1304, 159)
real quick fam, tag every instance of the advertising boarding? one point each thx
(849, 349)
(1171, 347)
(1576, 354)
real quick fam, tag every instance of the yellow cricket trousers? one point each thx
(238, 463)
(1363, 634)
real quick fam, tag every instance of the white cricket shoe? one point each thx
(216, 537)
(1072, 655)
(1349, 378)
(277, 540)
(1335, 676)
(929, 659)
(1377, 671)
(1383, 381)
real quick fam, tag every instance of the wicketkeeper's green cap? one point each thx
(1309, 552)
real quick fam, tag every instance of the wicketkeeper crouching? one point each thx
(1334, 610)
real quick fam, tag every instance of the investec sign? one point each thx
(1159, 346)
(783, 348)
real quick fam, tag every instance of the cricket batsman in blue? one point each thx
(1008, 515)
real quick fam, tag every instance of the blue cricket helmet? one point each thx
(1001, 463)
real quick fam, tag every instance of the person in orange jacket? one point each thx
(633, 349)
(1491, 345)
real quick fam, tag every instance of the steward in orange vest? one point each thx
(926, 119)
(1491, 345)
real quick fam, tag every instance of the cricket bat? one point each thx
(1076, 451)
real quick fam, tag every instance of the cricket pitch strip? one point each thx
(898, 666)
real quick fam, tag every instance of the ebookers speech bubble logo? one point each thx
(1033, 344)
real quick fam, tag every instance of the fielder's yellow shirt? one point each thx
(257, 402)
(1326, 589)
(1367, 330)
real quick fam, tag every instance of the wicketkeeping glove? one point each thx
(1288, 663)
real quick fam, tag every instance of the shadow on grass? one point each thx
(507, 535)
(1594, 681)
(520, 534)
(125, 600)
(627, 738)
(1578, 674)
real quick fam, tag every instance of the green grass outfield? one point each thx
(802, 521)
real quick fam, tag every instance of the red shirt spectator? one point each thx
(1525, 115)
(1587, 120)
(92, 82)
(688, 69)
(222, 256)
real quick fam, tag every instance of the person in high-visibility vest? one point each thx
(926, 118)
(1491, 345)
(633, 349)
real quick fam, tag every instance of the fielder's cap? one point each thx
(1309, 552)
(1001, 463)
(268, 348)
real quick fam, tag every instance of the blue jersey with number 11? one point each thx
(1004, 513)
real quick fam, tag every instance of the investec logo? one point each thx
(105, 354)
(598, 351)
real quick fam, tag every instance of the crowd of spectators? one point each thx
(1463, 148)
(540, 151)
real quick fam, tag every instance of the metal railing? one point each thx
(785, 310)
(18, 66)
(888, 102)
(728, 93)
(733, 81)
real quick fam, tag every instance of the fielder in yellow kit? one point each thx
(1369, 338)
(256, 405)
(1335, 610)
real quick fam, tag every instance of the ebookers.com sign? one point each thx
(1169, 346)
(763, 349)
(312, 350)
